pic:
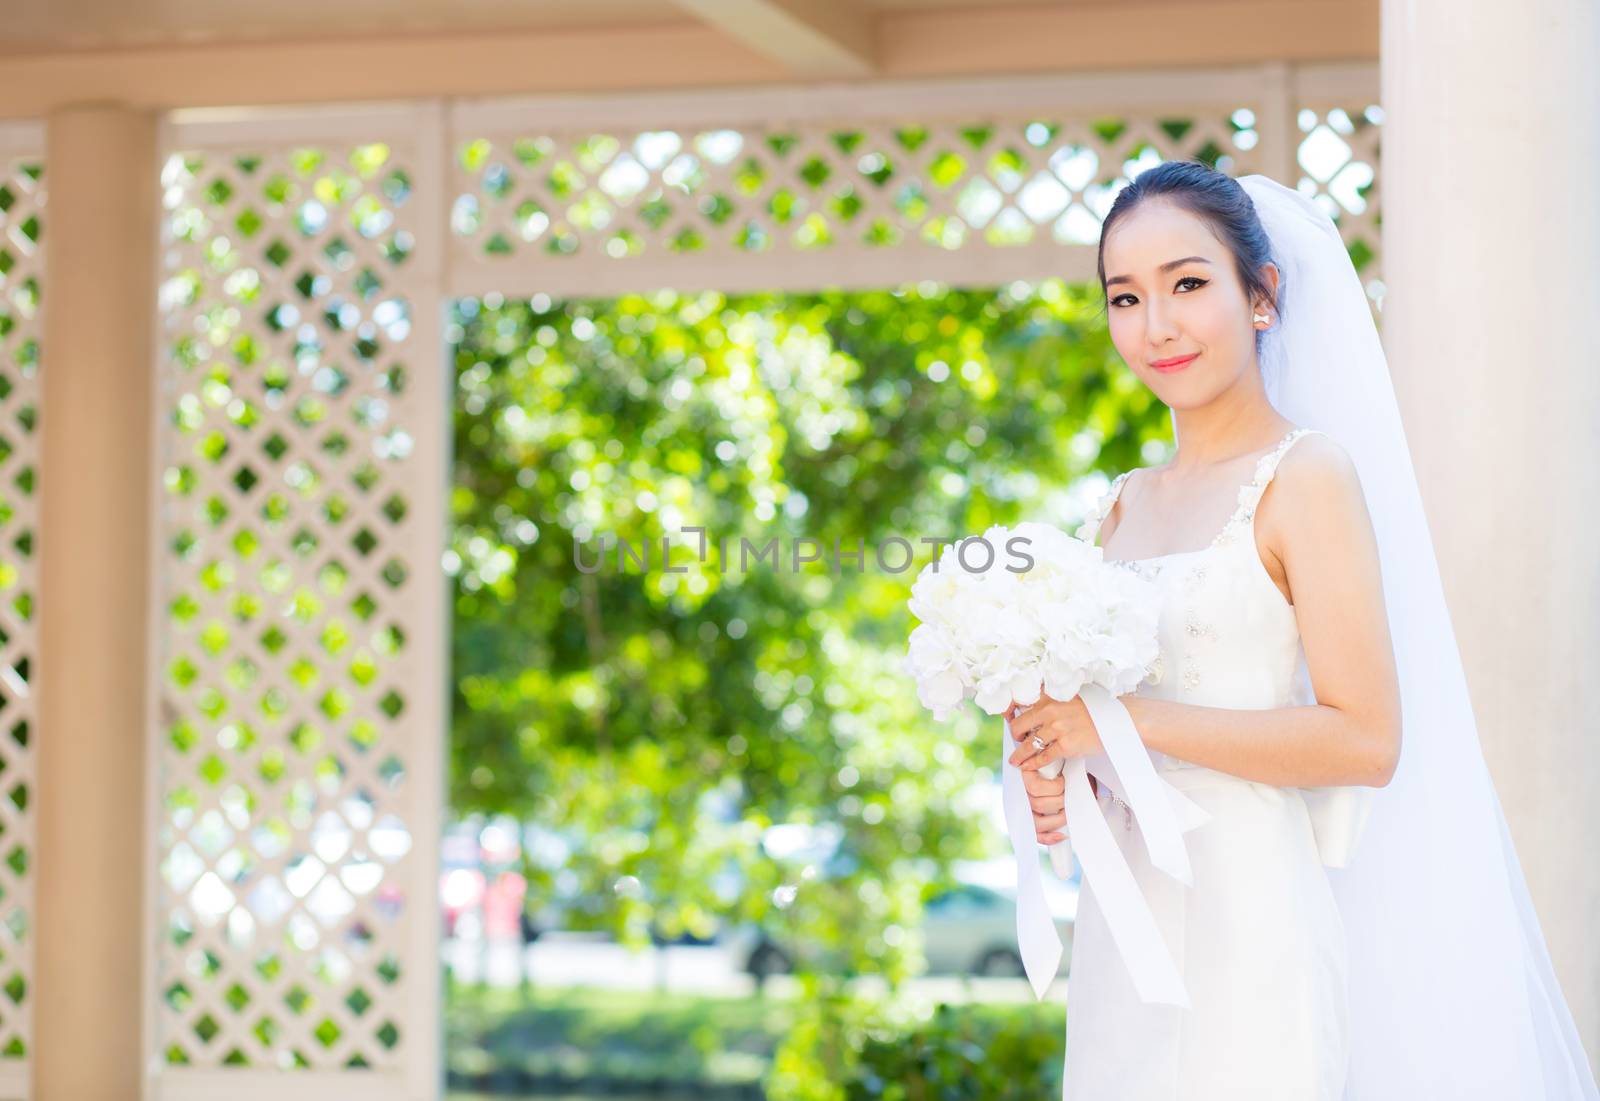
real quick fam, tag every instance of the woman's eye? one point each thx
(1195, 279)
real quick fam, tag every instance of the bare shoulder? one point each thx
(1317, 460)
(1319, 490)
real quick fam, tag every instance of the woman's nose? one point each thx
(1159, 325)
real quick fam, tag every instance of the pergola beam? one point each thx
(911, 44)
(810, 38)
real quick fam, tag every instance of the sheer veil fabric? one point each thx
(1452, 993)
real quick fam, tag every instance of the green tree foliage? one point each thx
(669, 718)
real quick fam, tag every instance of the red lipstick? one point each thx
(1167, 366)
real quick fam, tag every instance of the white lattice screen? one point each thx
(1338, 159)
(307, 260)
(969, 183)
(302, 603)
(22, 201)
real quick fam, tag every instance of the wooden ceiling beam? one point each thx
(819, 39)
(937, 43)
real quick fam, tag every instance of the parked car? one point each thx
(971, 929)
(967, 929)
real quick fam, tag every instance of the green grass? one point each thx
(579, 1044)
(507, 1041)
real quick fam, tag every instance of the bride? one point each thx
(1358, 927)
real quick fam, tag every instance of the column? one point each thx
(96, 516)
(1491, 149)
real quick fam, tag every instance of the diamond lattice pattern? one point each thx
(1337, 151)
(617, 195)
(22, 199)
(285, 762)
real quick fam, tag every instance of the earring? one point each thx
(1263, 319)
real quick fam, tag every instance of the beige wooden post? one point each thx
(1491, 149)
(95, 424)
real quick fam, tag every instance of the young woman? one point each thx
(1309, 695)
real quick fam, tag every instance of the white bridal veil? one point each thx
(1452, 994)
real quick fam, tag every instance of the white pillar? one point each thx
(1491, 153)
(95, 423)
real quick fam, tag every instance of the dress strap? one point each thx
(1089, 530)
(1243, 518)
(1243, 514)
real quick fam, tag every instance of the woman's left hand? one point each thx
(1063, 725)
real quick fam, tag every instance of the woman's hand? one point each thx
(1048, 798)
(1063, 725)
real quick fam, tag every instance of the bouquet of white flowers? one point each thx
(1057, 618)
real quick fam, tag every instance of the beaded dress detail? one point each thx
(1220, 600)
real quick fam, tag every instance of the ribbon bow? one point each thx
(1165, 814)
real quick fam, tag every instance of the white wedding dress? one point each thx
(1258, 939)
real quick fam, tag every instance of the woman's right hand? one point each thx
(1048, 798)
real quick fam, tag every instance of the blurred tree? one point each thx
(669, 718)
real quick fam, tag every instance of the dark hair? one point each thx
(1214, 197)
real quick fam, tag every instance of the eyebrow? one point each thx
(1168, 266)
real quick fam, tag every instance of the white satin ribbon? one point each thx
(1037, 938)
(1165, 814)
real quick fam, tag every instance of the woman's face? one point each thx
(1195, 308)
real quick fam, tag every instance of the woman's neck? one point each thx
(1211, 436)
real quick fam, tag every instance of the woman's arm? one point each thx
(1312, 746)
(1314, 524)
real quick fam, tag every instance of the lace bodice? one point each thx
(1228, 636)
